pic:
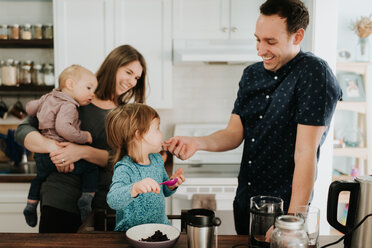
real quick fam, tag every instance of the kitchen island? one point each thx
(111, 240)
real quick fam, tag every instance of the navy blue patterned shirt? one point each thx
(271, 105)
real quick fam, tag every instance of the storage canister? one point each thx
(289, 232)
(25, 32)
(3, 32)
(1, 65)
(13, 32)
(17, 65)
(9, 73)
(48, 31)
(25, 74)
(37, 31)
(48, 71)
(37, 75)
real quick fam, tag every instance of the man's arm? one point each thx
(307, 142)
(222, 140)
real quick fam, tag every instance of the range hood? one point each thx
(225, 51)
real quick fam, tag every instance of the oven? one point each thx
(208, 174)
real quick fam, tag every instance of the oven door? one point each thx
(224, 195)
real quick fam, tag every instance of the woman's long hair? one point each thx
(106, 76)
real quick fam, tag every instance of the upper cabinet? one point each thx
(215, 19)
(146, 25)
(87, 30)
(83, 32)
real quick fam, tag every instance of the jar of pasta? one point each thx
(13, 32)
(25, 32)
(37, 31)
(48, 31)
(3, 32)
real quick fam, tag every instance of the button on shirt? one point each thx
(271, 105)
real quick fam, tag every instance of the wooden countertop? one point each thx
(110, 240)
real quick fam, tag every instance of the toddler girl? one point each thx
(134, 136)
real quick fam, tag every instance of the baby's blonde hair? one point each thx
(72, 72)
(125, 127)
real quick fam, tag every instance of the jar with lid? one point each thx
(48, 31)
(17, 65)
(37, 75)
(3, 32)
(48, 71)
(37, 31)
(1, 65)
(25, 32)
(25, 74)
(13, 32)
(289, 232)
(9, 73)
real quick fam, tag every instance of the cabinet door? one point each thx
(83, 32)
(244, 15)
(201, 19)
(146, 25)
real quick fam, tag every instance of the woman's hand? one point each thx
(65, 157)
(144, 186)
(180, 175)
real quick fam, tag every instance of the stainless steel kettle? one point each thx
(360, 205)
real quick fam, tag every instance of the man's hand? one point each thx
(181, 146)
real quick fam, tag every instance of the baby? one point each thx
(57, 113)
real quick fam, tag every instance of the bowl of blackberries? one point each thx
(153, 236)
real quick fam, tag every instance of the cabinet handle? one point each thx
(225, 29)
(234, 29)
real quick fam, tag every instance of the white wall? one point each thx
(201, 93)
(350, 11)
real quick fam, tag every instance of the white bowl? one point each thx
(137, 233)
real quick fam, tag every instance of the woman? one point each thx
(121, 78)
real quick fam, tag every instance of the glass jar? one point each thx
(26, 74)
(1, 65)
(48, 71)
(48, 31)
(289, 232)
(37, 31)
(9, 73)
(13, 32)
(3, 32)
(25, 32)
(37, 75)
(17, 65)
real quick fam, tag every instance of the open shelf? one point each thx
(24, 90)
(360, 107)
(356, 152)
(26, 43)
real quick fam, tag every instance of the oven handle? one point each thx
(188, 196)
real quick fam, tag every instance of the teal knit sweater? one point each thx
(146, 207)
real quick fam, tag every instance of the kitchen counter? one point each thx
(111, 240)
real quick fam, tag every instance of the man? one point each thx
(283, 109)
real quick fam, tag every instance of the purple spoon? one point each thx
(170, 182)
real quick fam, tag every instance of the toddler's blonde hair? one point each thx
(125, 127)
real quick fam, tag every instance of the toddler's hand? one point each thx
(180, 175)
(144, 186)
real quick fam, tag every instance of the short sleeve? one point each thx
(317, 93)
(238, 105)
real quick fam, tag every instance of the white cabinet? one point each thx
(215, 19)
(146, 25)
(83, 32)
(13, 197)
(87, 30)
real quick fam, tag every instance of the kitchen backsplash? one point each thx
(201, 93)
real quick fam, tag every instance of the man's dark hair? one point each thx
(295, 12)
